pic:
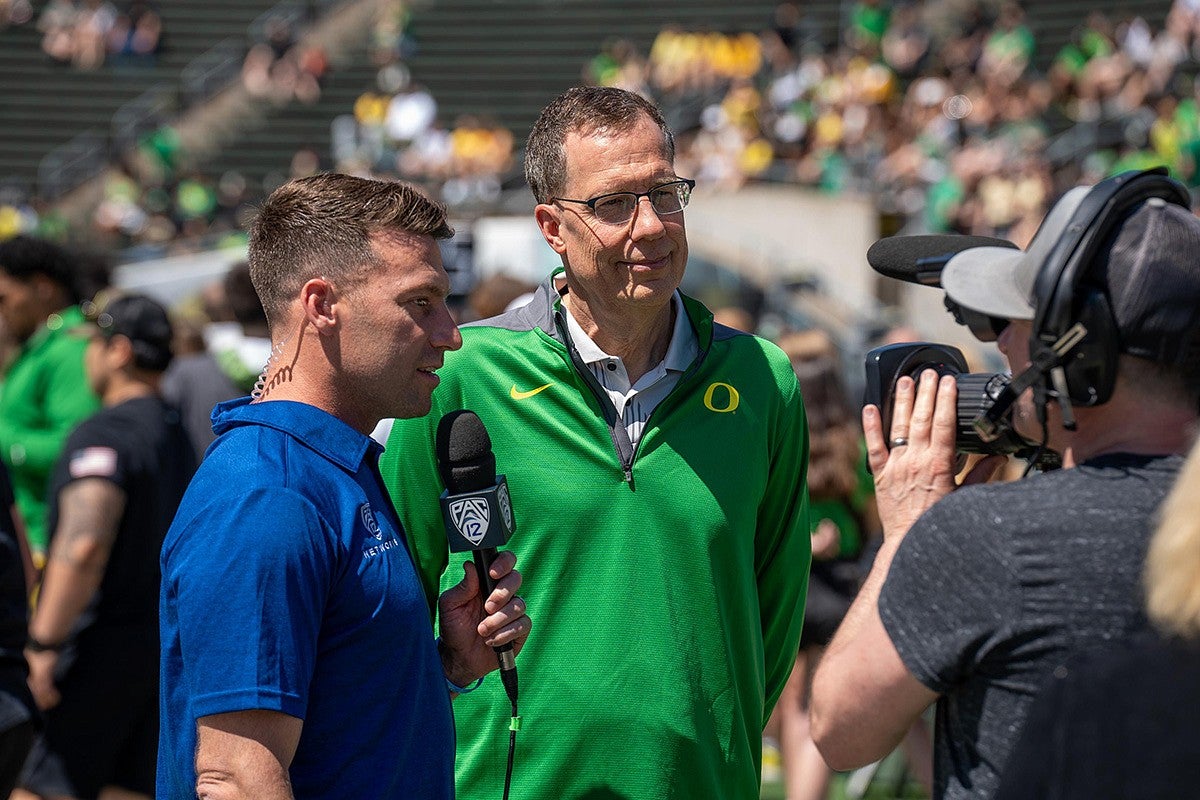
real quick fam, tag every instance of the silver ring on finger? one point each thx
(899, 441)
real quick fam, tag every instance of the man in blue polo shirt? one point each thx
(299, 660)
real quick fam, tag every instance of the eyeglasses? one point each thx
(617, 208)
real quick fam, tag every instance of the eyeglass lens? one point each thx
(670, 198)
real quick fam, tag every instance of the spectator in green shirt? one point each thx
(868, 23)
(45, 393)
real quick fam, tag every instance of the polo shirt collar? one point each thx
(681, 351)
(320, 431)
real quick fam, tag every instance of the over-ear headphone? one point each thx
(1074, 330)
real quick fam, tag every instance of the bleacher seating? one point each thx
(506, 59)
(46, 104)
(267, 149)
(502, 59)
(1054, 21)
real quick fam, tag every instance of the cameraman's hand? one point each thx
(912, 476)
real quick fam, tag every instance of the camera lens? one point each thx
(977, 391)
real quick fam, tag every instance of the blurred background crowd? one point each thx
(942, 112)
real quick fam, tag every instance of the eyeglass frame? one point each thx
(591, 204)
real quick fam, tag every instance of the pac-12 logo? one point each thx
(505, 505)
(369, 521)
(471, 516)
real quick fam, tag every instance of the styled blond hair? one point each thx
(1172, 573)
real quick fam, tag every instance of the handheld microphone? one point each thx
(920, 259)
(476, 508)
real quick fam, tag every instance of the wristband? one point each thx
(454, 687)
(451, 685)
(35, 646)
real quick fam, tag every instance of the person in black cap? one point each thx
(978, 596)
(93, 638)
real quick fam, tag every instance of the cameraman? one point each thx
(977, 596)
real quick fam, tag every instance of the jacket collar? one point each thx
(541, 310)
(316, 429)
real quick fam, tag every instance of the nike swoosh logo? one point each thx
(516, 394)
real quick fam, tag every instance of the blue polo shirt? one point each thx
(287, 586)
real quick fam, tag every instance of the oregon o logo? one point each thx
(731, 400)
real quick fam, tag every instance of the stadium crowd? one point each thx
(89, 33)
(937, 109)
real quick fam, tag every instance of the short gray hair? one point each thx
(584, 109)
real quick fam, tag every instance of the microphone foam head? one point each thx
(464, 452)
(920, 259)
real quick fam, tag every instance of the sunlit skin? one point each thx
(1013, 343)
(620, 277)
(395, 328)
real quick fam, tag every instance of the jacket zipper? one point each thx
(626, 451)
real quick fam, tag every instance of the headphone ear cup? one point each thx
(1063, 296)
(1091, 367)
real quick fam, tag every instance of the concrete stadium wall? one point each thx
(779, 235)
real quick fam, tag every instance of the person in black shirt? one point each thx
(979, 593)
(93, 639)
(1121, 724)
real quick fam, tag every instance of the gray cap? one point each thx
(998, 281)
(1151, 272)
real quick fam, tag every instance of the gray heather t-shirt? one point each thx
(997, 585)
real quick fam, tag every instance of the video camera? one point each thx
(978, 392)
(1075, 337)
(984, 423)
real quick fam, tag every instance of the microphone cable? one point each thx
(514, 725)
(1041, 448)
(478, 515)
(508, 676)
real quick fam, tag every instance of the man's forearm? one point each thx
(866, 602)
(221, 784)
(67, 589)
(863, 697)
(89, 515)
(245, 755)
